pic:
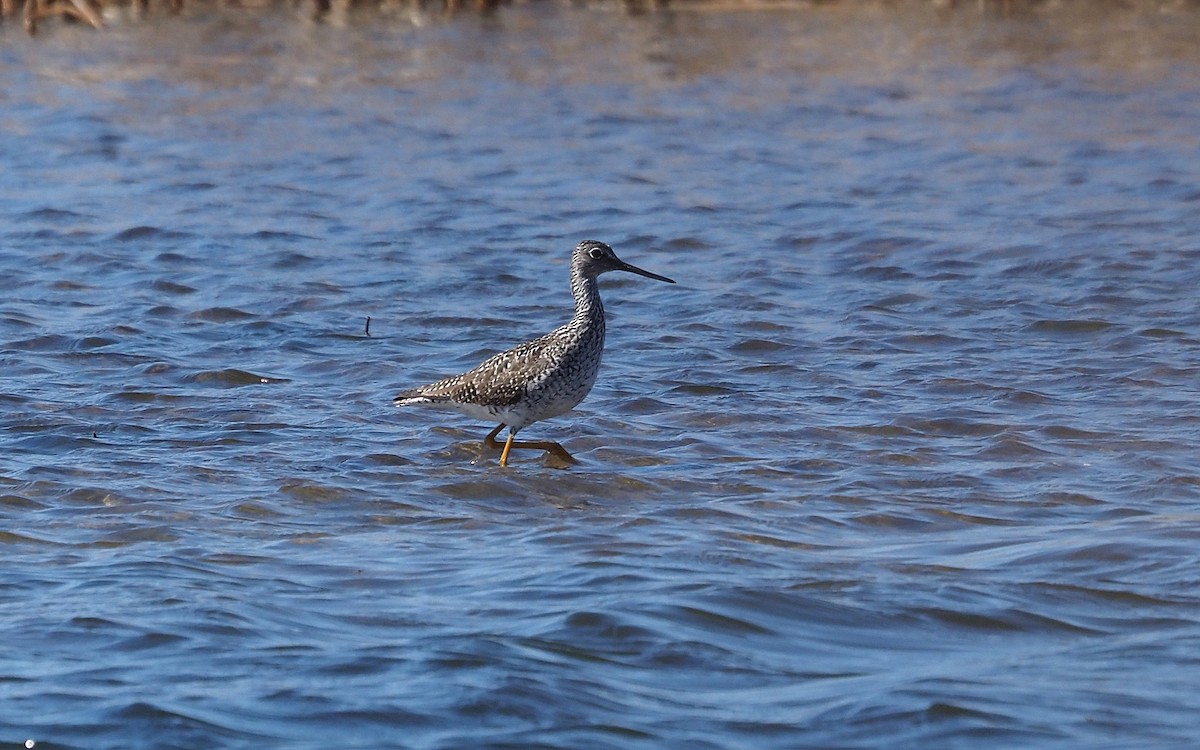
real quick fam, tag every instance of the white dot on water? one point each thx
(29, 744)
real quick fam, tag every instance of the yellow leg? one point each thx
(490, 440)
(553, 448)
(508, 444)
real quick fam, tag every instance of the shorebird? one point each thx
(542, 378)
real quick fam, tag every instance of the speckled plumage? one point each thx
(542, 378)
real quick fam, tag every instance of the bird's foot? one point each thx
(557, 456)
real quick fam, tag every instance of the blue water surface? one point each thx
(906, 459)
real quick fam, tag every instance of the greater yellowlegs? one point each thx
(541, 378)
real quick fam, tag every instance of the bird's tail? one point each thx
(415, 396)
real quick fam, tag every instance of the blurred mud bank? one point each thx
(93, 12)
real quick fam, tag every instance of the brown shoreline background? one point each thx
(91, 12)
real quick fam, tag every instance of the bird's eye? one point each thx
(595, 253)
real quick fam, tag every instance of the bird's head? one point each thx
(593, 258)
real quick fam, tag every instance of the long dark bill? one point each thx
(634, 269)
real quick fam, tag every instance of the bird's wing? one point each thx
(498, 381)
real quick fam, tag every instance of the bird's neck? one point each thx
(588, 307)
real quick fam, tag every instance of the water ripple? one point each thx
(908, 452)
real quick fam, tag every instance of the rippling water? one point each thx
(908, 458)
